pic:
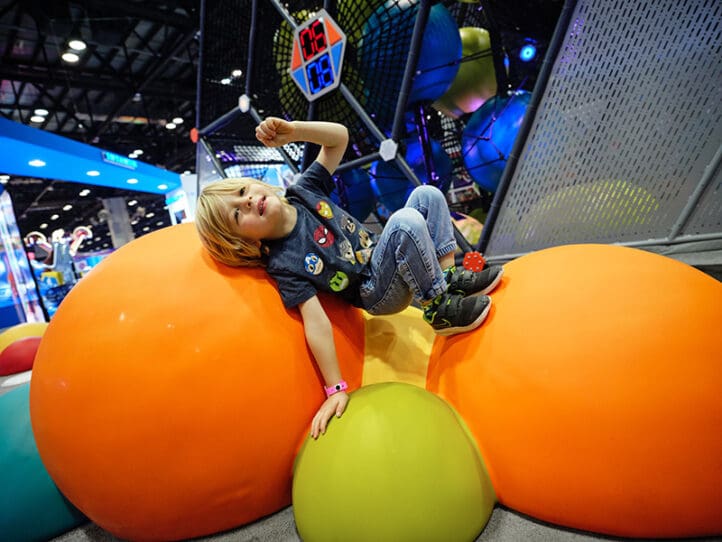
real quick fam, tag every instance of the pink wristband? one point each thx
(341, 386)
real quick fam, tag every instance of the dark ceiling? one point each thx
(136, 75)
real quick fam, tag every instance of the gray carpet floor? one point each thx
(503, 526)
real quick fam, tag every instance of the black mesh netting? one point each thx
(378, 42)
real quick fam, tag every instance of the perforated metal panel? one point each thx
(625, 144)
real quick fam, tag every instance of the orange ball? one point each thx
(171, 393)
(593, 391)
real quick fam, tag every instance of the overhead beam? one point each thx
(89, 81)
(140, 11)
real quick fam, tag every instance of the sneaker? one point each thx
(463, 281)
(453, 313)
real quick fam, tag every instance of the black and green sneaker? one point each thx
(463, 281)
(452, 313)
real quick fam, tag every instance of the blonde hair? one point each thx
(213, 223)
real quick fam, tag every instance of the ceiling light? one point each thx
(132, 202)
(150, 215)
(77, 45)
(43, 226)
(527, 53)
(146, 228)
(70, 57)
(226, 81)
(236, 73)
(132, 181)
(133, 222)
(92, 173)
(162, 187)
(36, 163)
(159, 223)
(178, 120)
(4, 178)
(170, 126)
(133, 155)
(67, 207)
(37, 118)
(84, 192)
(54, 217)
(138, 152)
(41, 112)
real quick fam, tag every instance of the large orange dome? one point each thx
(594, 391)
(170, 393)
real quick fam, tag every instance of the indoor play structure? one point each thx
(589, 400)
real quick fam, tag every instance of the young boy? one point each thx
(308, 244)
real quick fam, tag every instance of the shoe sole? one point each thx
(461, 329)
(492, 285)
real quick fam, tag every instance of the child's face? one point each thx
(256, 213)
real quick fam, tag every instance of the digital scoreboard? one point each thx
(317, 56)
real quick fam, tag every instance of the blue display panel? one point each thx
(317, 57)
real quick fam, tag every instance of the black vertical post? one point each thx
(423, 129)
(422, 17)
(251, 49)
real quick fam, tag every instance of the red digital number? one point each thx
(313, 39)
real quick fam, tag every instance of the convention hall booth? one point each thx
(578, 144)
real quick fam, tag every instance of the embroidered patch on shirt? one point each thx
(324, 209)
(323, 237)
(313, 263)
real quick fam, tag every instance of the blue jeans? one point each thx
(405, 262)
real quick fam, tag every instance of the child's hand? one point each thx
(335, 404)
(274, 132)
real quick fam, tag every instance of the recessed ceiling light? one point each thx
(84, 192)
(77, 45)
(178, 120)
(70, 57)
(36, 163)
(236, 73)
(226, 81)
(133, 155)
(54, 217)
(162, 186)
(92, 173)
(132, 202)
(43, 226)
(37, 118)
(138, 151)
(159, 223)
(146, 228)
(4, 178)
(41, 112)
(67, 207)
(150, 215)
(170, 126)
(132, 181)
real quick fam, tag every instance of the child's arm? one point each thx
(319, 336)
(333, 137)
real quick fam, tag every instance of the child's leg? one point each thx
(431, 203)
(404, 264)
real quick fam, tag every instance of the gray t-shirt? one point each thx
(328, 250)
